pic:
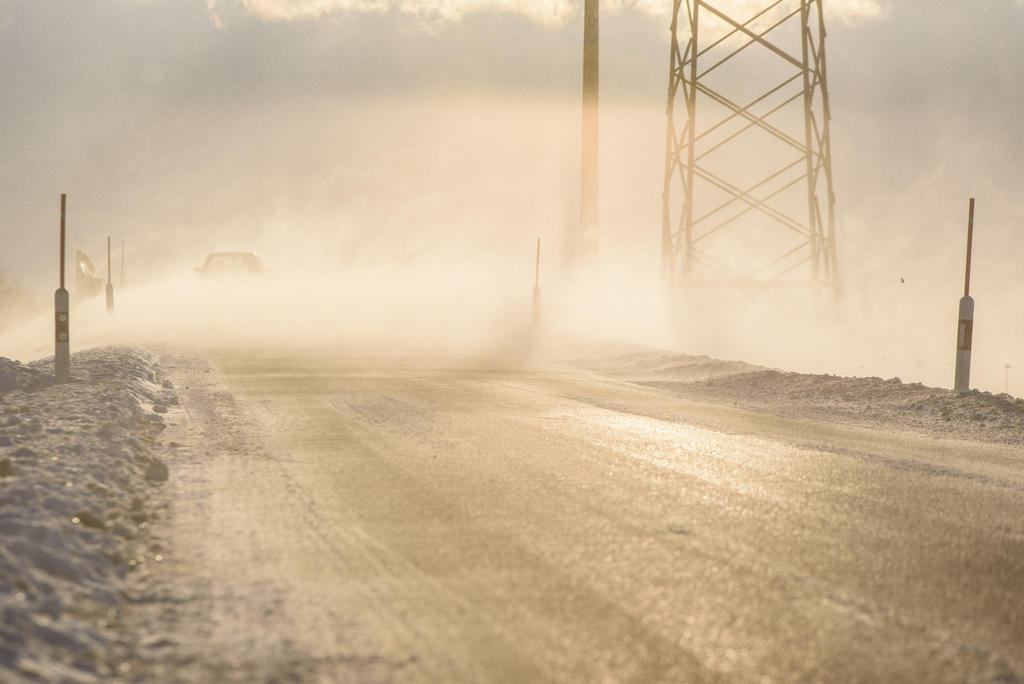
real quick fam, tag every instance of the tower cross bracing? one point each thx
(748, 194)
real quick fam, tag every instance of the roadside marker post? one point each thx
(965, 326)
(110, 285)
(62, 314)
(536, 288)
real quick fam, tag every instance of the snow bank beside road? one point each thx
(15, 376)
(867, 402)
(77, 472)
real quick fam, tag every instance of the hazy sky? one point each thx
(399, 119)
(343, 133)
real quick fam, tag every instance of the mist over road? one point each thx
(364, 518)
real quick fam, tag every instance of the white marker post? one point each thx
(110, 285)
(965, 327)
(62, 347)
(536, 288)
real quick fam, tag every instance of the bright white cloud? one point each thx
(847, 11)
(855, 10)
(285, 10)
(843, 10)
(211, 8)
(548, 12)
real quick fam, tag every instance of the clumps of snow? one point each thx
(78, 474)
(661, 365)
(15, 376)
(867, 402)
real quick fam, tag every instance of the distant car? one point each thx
(227, 264)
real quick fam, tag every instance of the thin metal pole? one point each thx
(536, 278)
(812, 176)
(589, 154)
(62, 328)
(110, 285)
(691, 113)
(63, 214)
(671, 143)
(536, 289)
(970, 244)
(826, 149)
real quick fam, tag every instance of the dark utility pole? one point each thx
(588, 176)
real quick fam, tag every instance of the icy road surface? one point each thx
(365, 519)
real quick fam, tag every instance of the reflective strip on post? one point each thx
(62, 338)
(964, 341)
(110, 285)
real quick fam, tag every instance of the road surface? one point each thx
(369, 519)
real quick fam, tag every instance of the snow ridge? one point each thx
(13, 376)
(866, 402)
(78, 479)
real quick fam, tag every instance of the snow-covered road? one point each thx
(343, 518)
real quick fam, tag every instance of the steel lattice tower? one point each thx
(749, 159)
